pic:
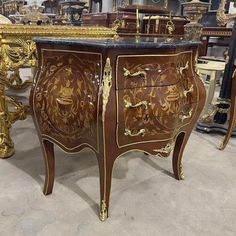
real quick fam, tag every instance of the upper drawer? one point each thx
(152, 70)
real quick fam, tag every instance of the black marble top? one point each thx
(121, 43)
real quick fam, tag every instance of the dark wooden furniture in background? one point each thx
(144, 9)
(127, 20)
(221, 32)
(159, 24)
(115, 97)
(150, 24)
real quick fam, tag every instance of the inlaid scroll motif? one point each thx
(171, 102)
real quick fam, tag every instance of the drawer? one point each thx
(147, 128)
(152, 70)
(154, 101)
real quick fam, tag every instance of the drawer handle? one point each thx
(188, 91)
(129, 133)
(64, 101)
(130, 105)
(141, 73)
(183, 117)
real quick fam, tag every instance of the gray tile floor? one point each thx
(145, 198)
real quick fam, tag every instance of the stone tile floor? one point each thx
(145, 198)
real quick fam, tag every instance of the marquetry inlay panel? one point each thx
(66, 96)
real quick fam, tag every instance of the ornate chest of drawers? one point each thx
(115, 97)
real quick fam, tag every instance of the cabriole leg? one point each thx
(48, 149)
(105, 171)
(177, 164)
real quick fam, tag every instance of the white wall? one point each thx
(137, 1)
(232, 9)
(107, 5)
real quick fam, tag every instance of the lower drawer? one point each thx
(154, 101)
(148, 129)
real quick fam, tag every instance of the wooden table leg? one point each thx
(48, 149)
(232, 116)
(177, 164)
(105, 172)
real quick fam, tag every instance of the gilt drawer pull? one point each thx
(140, 73)
(129, 133)
(188, 91)
(130, 105)
(183, 117)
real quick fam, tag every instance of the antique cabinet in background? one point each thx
(160, 25)
(107, 19)
(115, 97)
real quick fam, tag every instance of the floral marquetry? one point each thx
(67, 97)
